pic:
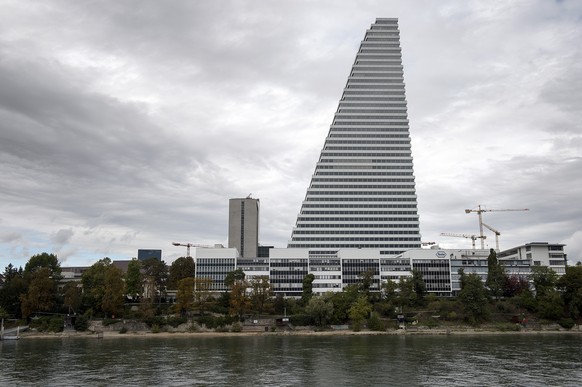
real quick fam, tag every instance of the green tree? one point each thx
(239, 298)
(359, 312)
(366, 282)
(473, 298)
(496, 277)
(550, 305)
(41, 294)
(570, 285)
(156, 277)
(406, 294)
(307, 292)
(112, 301)
(93, 280)
(544, 280)
(261, 293)
(233, 276)
(72, 296)
(419, 287)
(342, 302)
(202, 293)
(134, 280)
(185, 295)
(14, 285)
(181, 268)
(320, 309)
(239, 301)
(46, 260)
(390, 291)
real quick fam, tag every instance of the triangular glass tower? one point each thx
(362, 194)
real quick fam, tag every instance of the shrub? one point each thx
(176, 321)
(236, 327)
(48, 324)
(110, 321)
(451, 316)
(81, 323)
(155, 328)
(375, 324)
(301, 320)
(566, 323)
(123, 330)
(56, 324)
(212, 322)
(507, 327)
(432, 323)
(155, 320)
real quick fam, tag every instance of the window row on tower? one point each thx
(367, 212)
(352, 225)
(394, 206)
(354, 232)
(359, 199)
(366, 180)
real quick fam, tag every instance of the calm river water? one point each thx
(508, 360)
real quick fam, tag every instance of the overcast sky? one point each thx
(127, 125)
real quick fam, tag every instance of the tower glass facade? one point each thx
(362, 193)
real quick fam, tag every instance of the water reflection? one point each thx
(532, 360)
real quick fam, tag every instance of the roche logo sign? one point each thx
(441, 254)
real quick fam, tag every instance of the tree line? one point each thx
(105, 291)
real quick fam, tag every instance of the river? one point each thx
(479, 360)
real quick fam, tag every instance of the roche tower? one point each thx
(362, 193)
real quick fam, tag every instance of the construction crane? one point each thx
(497, 233)
(187, 246)
(472, 237)
(480, 212)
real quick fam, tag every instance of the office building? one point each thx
(144, 254)
(362, 193)
(243, 226)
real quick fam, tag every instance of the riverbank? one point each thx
(211, 334)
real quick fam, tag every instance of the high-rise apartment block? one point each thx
(362, 193)
(243, 226)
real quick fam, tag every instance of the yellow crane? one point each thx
(480, 212)
(472, 237)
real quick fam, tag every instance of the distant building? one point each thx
(143, 254)
(333, 271)
(263, 251)
(538, 254)
(243, 226)
(215, 264)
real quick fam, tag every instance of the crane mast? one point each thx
(187, 246)
(497, 233)
(480, 212)
(472, 237)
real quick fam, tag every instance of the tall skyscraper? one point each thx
(362, 193)
(243, 226)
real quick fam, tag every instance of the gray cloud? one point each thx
(62, 236)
